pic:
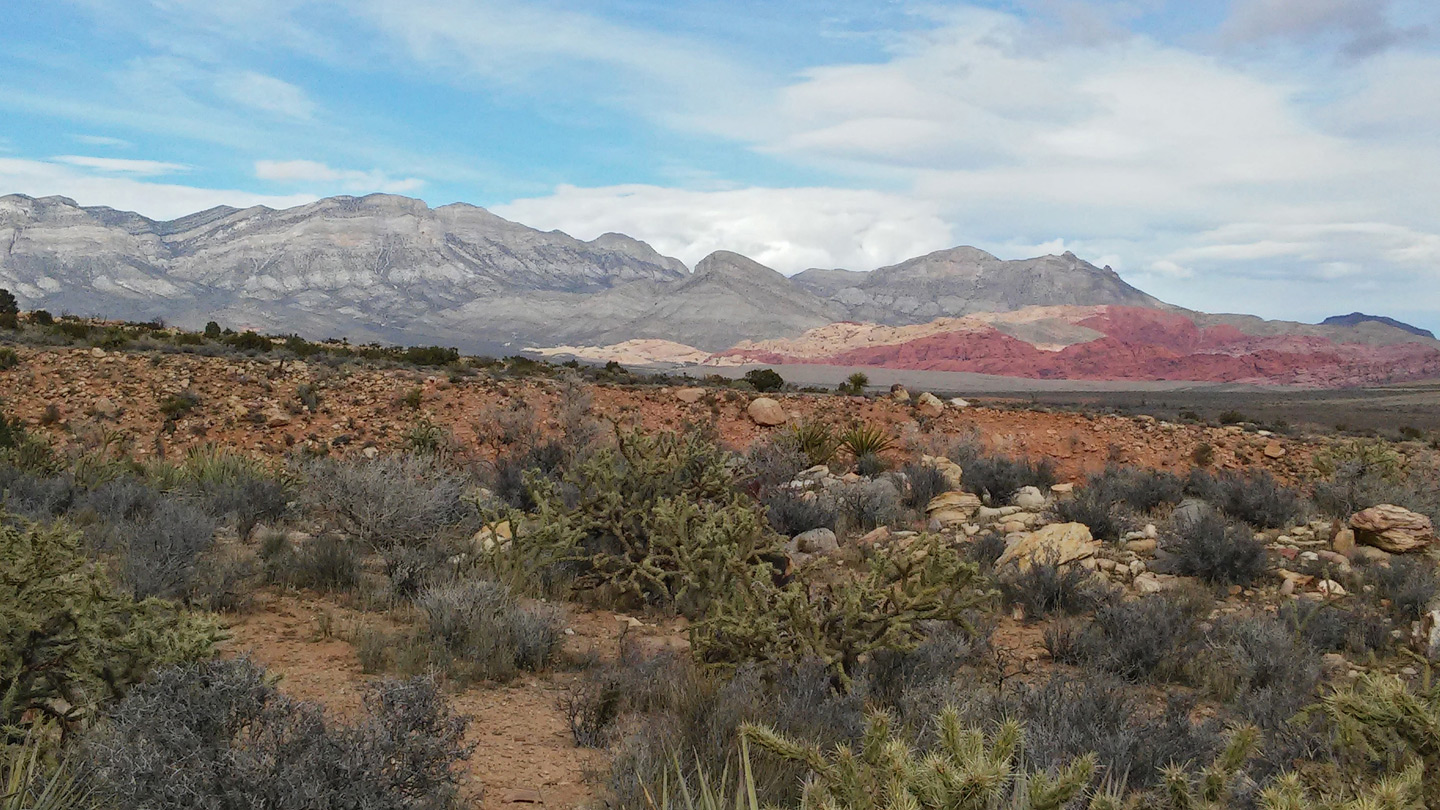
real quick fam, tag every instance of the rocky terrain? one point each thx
(391, 269)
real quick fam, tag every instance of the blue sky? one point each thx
(1280, 157)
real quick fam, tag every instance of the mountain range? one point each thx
(392, 269)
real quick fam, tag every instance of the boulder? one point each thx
(690, 395)
(1028, 498)
(927, 404)
(1190, 510)
(957, 402)
(816, 541)
(1392, 528)
(1274, 449)
(494, 538)
(898, 393)
(952, 508)
(1343, 542)
(952, 471)
(104, 406)
(1058, 543)
(766, 412)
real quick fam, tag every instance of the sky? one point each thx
(1275, 157)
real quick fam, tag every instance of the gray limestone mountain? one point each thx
(966, 280)
(391, 268)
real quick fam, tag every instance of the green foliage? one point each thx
(866, 440)
(212, 330)
(764, 379)
(816, 440)
(963, 771)
(8, 359)
(42, 317)
(9, 310)
(430, 355)
(413, 398)
(29, 781)
(175, 406)
(69, 640)
(308, 397)
(840, 621)
(652, 520)
(249, 341)
(1382, 719)
(854, 385)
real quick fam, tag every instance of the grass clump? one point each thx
(1253, 496)
(1149, 639)
(1045, 589)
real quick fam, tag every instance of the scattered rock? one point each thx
(1028, 498)
(1330, 588)
(875, 537)
(1059, 543)
(1344, 541)
(1392, 528)
(1274, 450)
(766, 412)
(104, 406)
(1148, 583)
(1144, 545)
(690, 395)
(816, 541)
(929, 405)
(952, 471)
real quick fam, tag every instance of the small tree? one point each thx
(765, 379)
(855, 384)
(9, 310)
(212, 330)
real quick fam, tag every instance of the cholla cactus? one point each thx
(842, 620)
(964, 771)
(654, 520)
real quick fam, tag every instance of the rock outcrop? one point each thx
(1392, 528)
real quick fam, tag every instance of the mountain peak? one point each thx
(1358, 318)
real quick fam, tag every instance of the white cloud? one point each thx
(787, 229)
(310, 171)
(1363, 26)
(142, 168)
(156, 200)
(103, 140)
(266, 93)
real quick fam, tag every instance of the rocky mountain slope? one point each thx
(384, 267)
(392, 269)
(966, 280)
(1114, 343)
(1358, 318)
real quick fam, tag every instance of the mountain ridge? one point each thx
(390, 268)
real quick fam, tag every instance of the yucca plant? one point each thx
(816, 440)
(28, 783)
(864, 440)
(707, 793)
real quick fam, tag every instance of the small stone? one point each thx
(370, 452)
(104, 406)
(1148, 583)
(1274, 450)
(1141, 546)
(957, 402)
(1287, 588)
(927, 404)
(1344, 541)
(875, 537)
(522, 796)
(1028, 498)
(690, 395)
(1330, 588)
(1064, 488)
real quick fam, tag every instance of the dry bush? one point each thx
(221, 735)
(400, 499)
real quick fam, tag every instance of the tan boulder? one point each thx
(898, 393)
(1059, 543)
(493, 538)
(927, 404)
(952, 471)
(1344, 541)
(766, 412)
(952, 508)
(1274, 450)
(1392, 528)
(690, 395)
